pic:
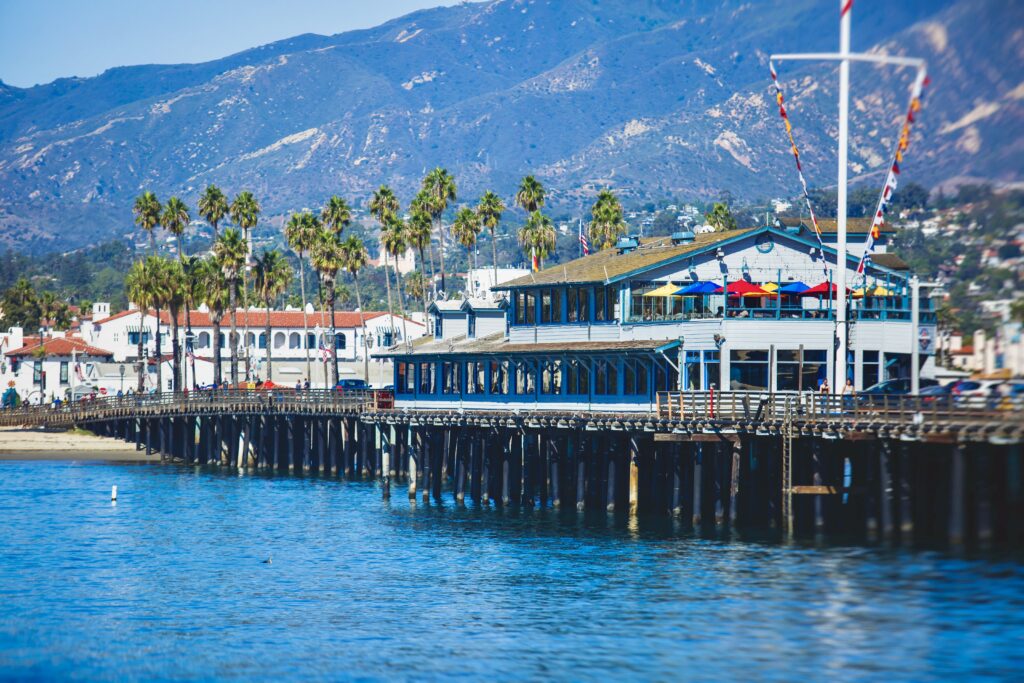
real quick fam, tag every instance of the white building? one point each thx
(480, 281)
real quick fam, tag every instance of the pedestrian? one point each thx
(824, 391)
(848, 393)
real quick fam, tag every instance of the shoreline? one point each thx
(18, 443)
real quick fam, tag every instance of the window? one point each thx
(691, 371)
(133, 338)
(64, 372)
(519, 303)
(438, 326)
(606, 378)
(263, 340)
(577, 305)
(530, 307)
(203, 341)
(499, 378)
(525, 380)
(799, 373)
(471, 324)
(404, 379)
(311, 341)
(279, 340)
(551, 377)
(577, 378)
(294, 340)
(475, 376)
(712, 369)
(37, 372)
(339, 341)
(223, 340)
(748, 370)
(450, 383)
(427, 385)
(605, 301)
(635, 378)
(551, 305)
(869, 368)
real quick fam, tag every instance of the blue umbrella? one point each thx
(700, 288)
(793, 288)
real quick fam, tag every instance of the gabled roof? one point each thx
(890, 261)
(484, 305)
(449, 305)
(60, 346)
(831, 225)
(609, 264)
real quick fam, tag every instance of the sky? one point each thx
(41, 40)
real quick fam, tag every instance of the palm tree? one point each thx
(439, 186)
(299, 232)
(138, 290)
(354, 259)
(147, 215)
(230, 251)
(195, 290)
(217, 297)
(537, 237)
(273, 275)
(392, 241)
(465, 229)
(607, 223)
(156, 282)
(328, 257)
(720, 218)
(245, 213)
(336, 214)
(213, 206)
(530, 194)
(383, 206)
(175, 220)
(489, 211)
(419, 212)
(174, 297)
(418, 232)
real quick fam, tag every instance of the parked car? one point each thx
(936, 393)
(975, 387)
(352, 385)
(897, 387)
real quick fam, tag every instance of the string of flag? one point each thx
(892, 175)
(796, 153)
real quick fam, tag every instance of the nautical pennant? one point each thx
(892, 176)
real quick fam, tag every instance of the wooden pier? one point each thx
(899, 469)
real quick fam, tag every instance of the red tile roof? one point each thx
(60, 346)
(114, 317)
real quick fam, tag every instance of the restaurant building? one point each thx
(748, 310)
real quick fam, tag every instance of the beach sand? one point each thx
(18, 443)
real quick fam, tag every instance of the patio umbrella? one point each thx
(825, 288)
(699, 289)
(744, 288)
(667, 289)
(793, 288)
(769, 287)
(878, 290)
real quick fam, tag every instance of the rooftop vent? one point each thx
(683, 237)
(627, 244)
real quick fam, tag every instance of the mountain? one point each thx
(652, 98)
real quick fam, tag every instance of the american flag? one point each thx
(190, 351)
(324, 353)
(584, 242)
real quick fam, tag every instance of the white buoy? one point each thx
(113, 493)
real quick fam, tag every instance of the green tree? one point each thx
(213, 206)
(489, 211)
(384, 207)
(175, 219)
(440, 189)
(273, 275)
(245, 213)
(300, 232)
(393, 242)
(465, 229)
(216, 291)
(21, 306)
(720, 218)
(418, 233)
(530, 195)
(354, 259)
(137, 285)
(231, 254)
(195, 291)
(328, 257)
(537, 237)
(336, 214)
(606, 223)
(174, 298)
(147, 215)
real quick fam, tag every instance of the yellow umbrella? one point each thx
(879, 290)
(668, 289)
(769, 287)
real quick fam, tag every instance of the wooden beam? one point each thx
(691, 438)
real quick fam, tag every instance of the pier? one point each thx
(900, 469)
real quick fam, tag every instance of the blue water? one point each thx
(170, 583)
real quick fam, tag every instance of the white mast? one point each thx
(839, 378)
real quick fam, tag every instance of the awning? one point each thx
(824, 289)
(793, 288)
(744, 288)
(699, 289)
(667, 289)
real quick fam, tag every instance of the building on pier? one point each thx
(749, 309)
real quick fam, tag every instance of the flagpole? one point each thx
(844, 122)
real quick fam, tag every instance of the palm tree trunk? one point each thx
(181, 248)
(188, 337)
(152, 240)
(401, 303)
(175, 353)
(245, 301)
(387, 282)
(218, 360)
(334, 341)
(305, 321)
(440, 251)
(233, 338)
(494, 259)
(159, 358)
(362, 324)
(423, 285)
(266, 332)
(142, 361)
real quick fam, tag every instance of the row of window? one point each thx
(554, 305)
(558, 377)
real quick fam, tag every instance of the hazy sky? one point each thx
(41, 40)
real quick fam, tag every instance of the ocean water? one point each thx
(172, 583)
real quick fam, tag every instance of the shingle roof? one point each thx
(60, 346)
(496, 344)
(890, 261)
(853, 225)
(609, 263)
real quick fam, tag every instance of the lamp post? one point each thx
(915, 332)
(121, 370)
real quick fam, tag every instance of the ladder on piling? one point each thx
(787, 467)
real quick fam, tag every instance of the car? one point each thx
(975, 387)
(352, 385)
(936, 393)
(897, 387)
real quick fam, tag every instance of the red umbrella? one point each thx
(825, 288)
(744, 288)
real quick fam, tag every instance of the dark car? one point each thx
(878, 394)
(936, 393)
(352, 385)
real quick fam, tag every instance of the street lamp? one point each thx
(121, 369)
